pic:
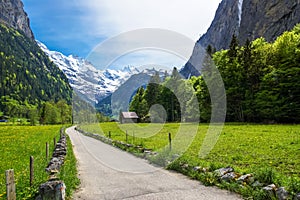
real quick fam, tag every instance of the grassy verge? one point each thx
(68, 172)
(269, 152)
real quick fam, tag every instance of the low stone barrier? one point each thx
(228, 174)
(58, 156)
(55, 188)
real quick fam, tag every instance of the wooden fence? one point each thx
(10, 179)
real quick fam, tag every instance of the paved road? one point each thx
(109, 173)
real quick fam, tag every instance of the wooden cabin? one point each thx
(128, 117)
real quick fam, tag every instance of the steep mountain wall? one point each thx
(268, 19)
(13, 15)
(27, 75)
(247, 19)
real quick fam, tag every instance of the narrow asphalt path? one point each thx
(109, 173)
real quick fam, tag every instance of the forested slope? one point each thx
(27, 76)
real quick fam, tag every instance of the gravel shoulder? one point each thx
(109, 173)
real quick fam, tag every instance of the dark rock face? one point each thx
(12, 14)
(247, 19)
(268, 19)
(224, 25)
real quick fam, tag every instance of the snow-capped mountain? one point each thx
(91, 83)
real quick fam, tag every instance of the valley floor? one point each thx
(109, 173)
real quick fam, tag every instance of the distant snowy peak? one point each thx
(63, 62)
(90, 82)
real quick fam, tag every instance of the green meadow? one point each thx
(263, 150)
(17, 144)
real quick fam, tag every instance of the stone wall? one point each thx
(55, 188)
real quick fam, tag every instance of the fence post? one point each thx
(31, 170)
(61, 132)
(54, 141)
(109, 134)
(133, 137)
(47, 150)
(170, 141)
(126, 137)
(10, 185)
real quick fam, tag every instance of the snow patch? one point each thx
(86, 79)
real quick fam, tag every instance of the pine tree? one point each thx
(233, 48)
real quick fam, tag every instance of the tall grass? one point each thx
(17, 144)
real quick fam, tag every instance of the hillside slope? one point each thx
(28, 78)
(27, 74)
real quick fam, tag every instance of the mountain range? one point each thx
(90, 83)
(247, 19)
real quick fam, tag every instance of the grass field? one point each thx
(248, 148)
(17, 144)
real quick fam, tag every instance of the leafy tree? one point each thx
(153, 90)
(281, 83)
(139, 104)
(203, 97)
(11, 107)
(50, 114)
(32, 115)
(64, 111)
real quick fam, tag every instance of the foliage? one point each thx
(28, 78)
(261, 79)
(172, 95)
(139, 104)
(17, 144)
(55, 113)
(47, 113)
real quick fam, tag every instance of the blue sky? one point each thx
(78, 26)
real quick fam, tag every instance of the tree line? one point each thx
(170, 99)
(261, 80)
(46, 113)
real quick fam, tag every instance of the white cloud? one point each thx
(188, 17)
(107, 18)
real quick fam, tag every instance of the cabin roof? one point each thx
(129, 115)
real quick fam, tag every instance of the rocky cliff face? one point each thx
(247, 19)
(13, 15)
(268, 19)
(224, 25)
